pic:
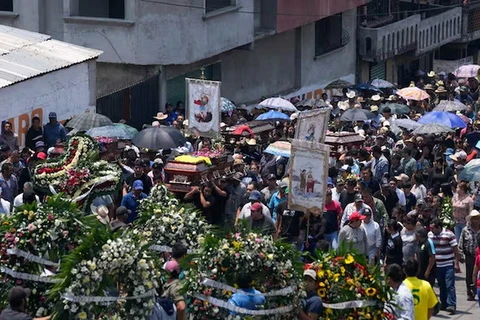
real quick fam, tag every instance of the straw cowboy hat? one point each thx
(373, 108)
(472, 214)
(431, 74)
(351, 94)
(428, 86)
(376, 97)
(441, 89)
(161, 116)
(392, 98)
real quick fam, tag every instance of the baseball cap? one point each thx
(358, 197)
(310, 273)
(122, 211)
(255, 196)
(449, 151)
(329, 181)
(256, 206)
(52, 115)
(17, 294)
(237, 162)
(172, 266)
(41, 156)
(459, 155)
(282, 185)
(138, 185)
(366, 212)
(356, 216)
(271, 176)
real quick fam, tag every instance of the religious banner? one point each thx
(203, 106)
(308, 175)
(312, 125)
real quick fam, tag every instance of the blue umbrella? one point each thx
(473, 138)
(111, 132)
(382, 84)
(446, 118)
(272, 116)
(471, 171)
(365, 87)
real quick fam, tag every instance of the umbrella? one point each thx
(111, 132)
(156, 138)
(356, 115)
(432, 128)
(88, 120)
(382, 84)
(279, 148)
(464, 118)
(365, 87)
(338, 84)
(227, 105)
(471, 171)
(467, 71)
(407, 124)
(277, 103)
(273, 116)
(473, 138)
(133, 132)
(396, 108)
(450, 106)
(413, 93)
(446, 118)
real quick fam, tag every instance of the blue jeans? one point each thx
(332, 238)
(478, 295)
(446, 282)
(458, 230)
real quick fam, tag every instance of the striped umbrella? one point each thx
(382, 84)
(467, 71)
(413, 93)
(279, 148)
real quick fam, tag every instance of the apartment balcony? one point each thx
(377, 44)
(438, 30)
(410, 34)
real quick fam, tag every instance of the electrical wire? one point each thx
(319, 15)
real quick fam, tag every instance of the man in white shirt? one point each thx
(27, 190)
(402, 201)
(245, 212)
(374, 236)
(402, 305)
(355, 206)
(340, 186)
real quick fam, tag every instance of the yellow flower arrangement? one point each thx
(371, 292)
(349, 259)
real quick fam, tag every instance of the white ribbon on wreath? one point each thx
(350, 304)
(31, 257)
(159, 248)
(28, 276)
(84, 195)
(231, 307)
(95, 299)
(219, 285)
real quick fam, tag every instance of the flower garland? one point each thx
(273, 265)
(349, 287)
(78, 173)
(446, 214)
(33, 240)
(103, 264)
(163, 222)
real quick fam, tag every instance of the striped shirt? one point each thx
(444, 244)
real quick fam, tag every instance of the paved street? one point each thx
(465, 309)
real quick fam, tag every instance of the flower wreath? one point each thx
(78, 172)
(274, 266)
(350, 288)
(106, 278)
(31, 241)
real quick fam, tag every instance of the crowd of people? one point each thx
(385, 199)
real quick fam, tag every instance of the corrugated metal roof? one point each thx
(25, 54)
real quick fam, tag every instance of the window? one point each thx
(329, 34)
(6, 5)
(212, 5)
(114, 9)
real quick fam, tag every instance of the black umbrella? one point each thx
(156, 138)
(357, 114)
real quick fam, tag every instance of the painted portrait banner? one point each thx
(308, 175)
(203, 106)
(312, 125)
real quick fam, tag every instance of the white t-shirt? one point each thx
(18, 201)
(245, 212)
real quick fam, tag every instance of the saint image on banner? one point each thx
(308, 175)
(203, 106)
(312, 125)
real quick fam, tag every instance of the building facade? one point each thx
(256, 48)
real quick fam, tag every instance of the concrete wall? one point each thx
(334, 64)
(27, 15)
(267, 70)
(155, 33)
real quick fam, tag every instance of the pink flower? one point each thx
(237, 235)
(50, 217)
(31, 227)
(261, 255)
(258, 240)
(237, 255)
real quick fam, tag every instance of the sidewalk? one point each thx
(465, 309)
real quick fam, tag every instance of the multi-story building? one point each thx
(255, 47)
(398, 38)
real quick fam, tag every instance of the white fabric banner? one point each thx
(203, 106)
